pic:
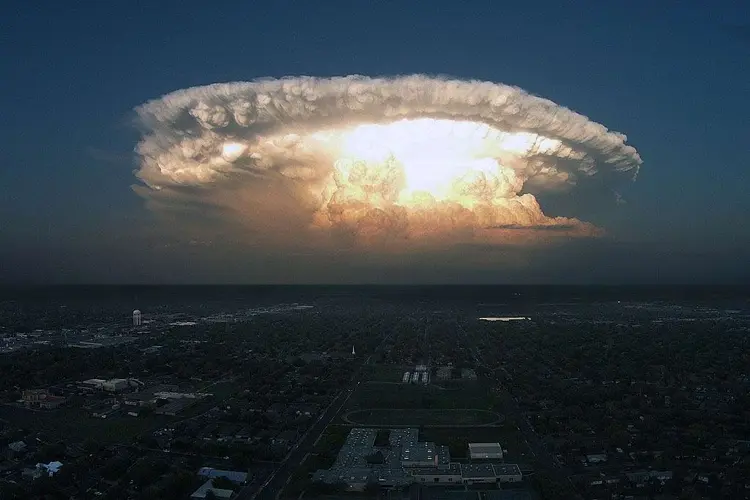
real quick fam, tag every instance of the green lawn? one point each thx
(74, 424)
(412, 396)
(417, 417)
(385, 373)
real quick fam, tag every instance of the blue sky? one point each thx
(674, 76)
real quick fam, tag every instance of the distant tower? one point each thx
(137, 318)
(353, 353)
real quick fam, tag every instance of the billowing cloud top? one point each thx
(386, 160)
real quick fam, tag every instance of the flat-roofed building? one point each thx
(478, 473)
(436, 475)
(508, 473)
(485, 451)
(402, 437)
(419, 455)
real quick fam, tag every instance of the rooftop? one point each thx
(453, 469)
(477, 470)
(507, 469)
(419, 452)
(234, 476)
(485, 449)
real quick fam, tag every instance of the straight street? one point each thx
(271, 488)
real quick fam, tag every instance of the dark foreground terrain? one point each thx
(594, 392)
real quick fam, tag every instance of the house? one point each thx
(16, 448)
(31, 473)
(596, 458)
(50, 469)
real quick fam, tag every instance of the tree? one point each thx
(90, 446)
(222, 483)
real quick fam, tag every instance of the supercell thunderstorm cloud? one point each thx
(390, 162)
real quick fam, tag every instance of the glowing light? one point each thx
(231, 151)
(387, 160)
(441, 158)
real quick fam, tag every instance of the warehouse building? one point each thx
(485, 451)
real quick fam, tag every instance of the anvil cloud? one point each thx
(375, 161)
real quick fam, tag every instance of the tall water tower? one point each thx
(137, 320)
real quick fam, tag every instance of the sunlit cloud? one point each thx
(389, 162)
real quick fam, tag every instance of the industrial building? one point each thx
(41, 398)
(406, 461)
(432, 475)
(491, 473)
(485, 451)
(508, 473)
(111, 385)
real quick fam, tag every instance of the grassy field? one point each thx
(415, 396)
(74, 424)
(417, 417)
(459, 438)
(385, 373)
(331, 441)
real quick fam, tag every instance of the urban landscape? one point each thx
(375, 393)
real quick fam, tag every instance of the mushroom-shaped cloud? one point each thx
(376, 161)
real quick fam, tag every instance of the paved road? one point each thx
(270, 489)
(544, 459)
